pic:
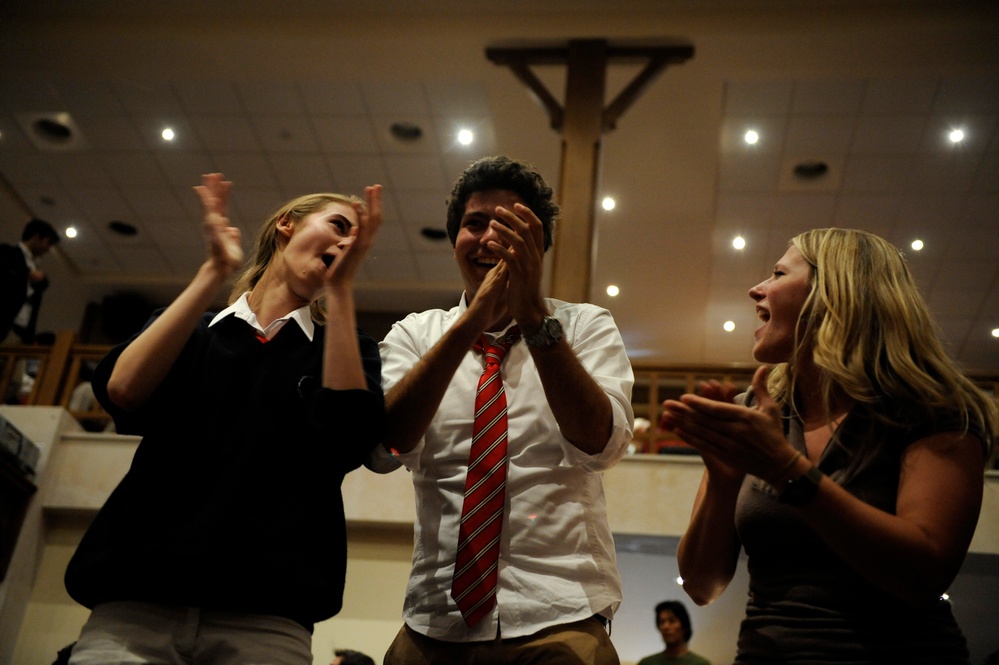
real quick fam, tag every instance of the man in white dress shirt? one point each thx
(567, 386)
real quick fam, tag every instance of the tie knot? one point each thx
(496, 350)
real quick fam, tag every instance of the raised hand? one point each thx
(489, 305)
(523, 252)
(733, 438)
(224, 248)
(362, 236)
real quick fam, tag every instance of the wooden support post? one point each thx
(582, 122)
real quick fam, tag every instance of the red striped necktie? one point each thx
(473, 586)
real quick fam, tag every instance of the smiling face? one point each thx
(779, 301)
(471, 249)
(313, 244)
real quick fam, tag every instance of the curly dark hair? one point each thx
(503, 173)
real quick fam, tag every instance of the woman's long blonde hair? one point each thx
(870, 333)
(267, 243)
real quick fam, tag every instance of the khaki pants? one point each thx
(583, 642)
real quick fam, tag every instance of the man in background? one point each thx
(22, 282)
(673, 623)
(351, 657)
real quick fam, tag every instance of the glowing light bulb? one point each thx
(739, 242)
(956, 135)
(751, 137)
(465, 137)
(167, 134)
(70, 231)
(729, 326)
(608, 203)
(613, 290)
(917, 244)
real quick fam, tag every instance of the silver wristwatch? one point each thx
(548, 334)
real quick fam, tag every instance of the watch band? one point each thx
(548, 334)
(801, 490)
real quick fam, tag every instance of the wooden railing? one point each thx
(51, 375)
(56, 375)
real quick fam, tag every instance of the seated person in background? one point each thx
(673, 623)
(852, 472)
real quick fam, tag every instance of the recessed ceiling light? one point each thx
(167, 134)
(810, 170)
(956, 135)
(739, 242)
(406, 131)
(608, 203)
(751, 137)
(52, 130)
(433, 233)
(70, 231)
(613, 290)
(729, 326)
(917, 244)
(679, 580)
(465, 137)
(995, 332)
(122, 228)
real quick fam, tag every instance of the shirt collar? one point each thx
(241, 310)
(29, 258)
(463, 305)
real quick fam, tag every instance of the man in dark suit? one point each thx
(22, 282)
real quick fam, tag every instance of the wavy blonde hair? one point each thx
(267, 244)
(870, 332)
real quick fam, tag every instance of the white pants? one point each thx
(129, 633)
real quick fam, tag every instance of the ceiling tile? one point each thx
(899, 97)
(888, 134)
(388, 98)
(331, 98)
(827, 135)
(263, 98)
(285, 133)
(147, 99)
(208, 97)
(748, 173)
(967, 94)
(302, 174)
(345, 133)
(352, 173)
(226, 133)
(761, 98)
(415, 172)
(827, 97)
(877, 174)
(245, 169)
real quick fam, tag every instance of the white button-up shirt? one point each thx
(557, 562)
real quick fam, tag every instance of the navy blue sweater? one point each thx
(233, 497)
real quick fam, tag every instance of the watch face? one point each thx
(800, 491)
(549, 333)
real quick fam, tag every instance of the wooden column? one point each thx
(582, 122)
(582, 129)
